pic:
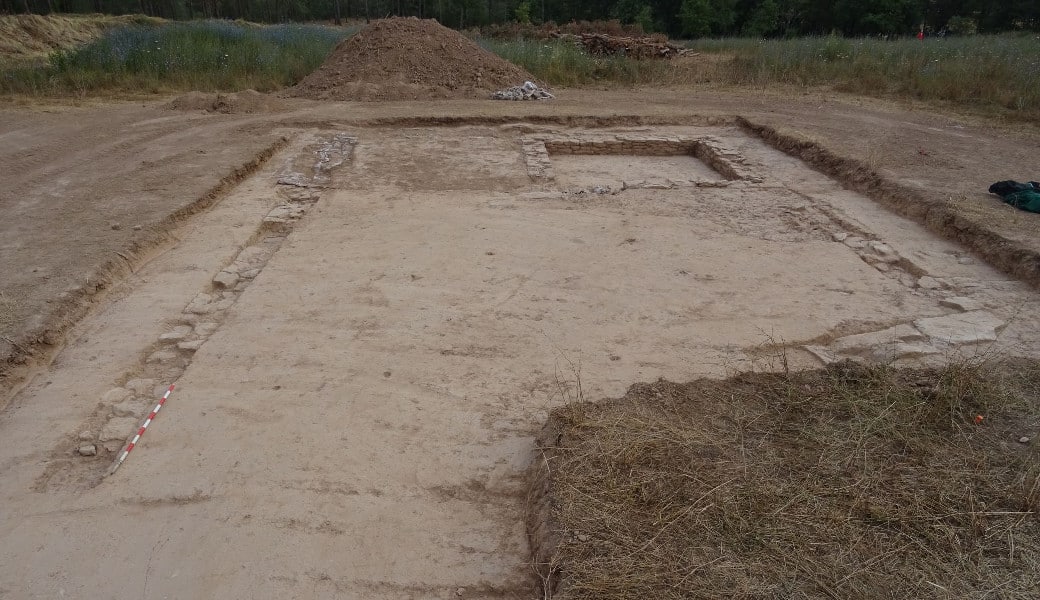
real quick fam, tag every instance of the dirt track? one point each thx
(357, 413)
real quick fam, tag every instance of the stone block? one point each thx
(225, 279)
(962, 303)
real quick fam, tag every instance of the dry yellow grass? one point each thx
(29, 38)
(850, 482)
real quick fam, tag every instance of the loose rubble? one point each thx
(527, 91)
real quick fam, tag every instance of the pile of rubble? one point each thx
(527, 91)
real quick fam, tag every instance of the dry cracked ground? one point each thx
(367, 327)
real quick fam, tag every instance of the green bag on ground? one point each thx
(1025, 196)
(1026, 200)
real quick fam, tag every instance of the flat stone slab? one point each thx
(823, 354)
(178, 333)
(128, 408)
(965, 328)
(163, 357)
(206, 329)
(962, 303)
(141, 387)
(116, 395)
(118, 429)
(865, 343)
(903, 350)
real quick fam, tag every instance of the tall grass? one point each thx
(992, 72)
(995, 71)
(200, 55)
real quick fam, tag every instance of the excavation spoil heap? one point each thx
(408, 59)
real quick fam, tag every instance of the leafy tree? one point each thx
(523, 13)
(699, 18)
(765, 20)
(645, 18)
(677, 17)
(695, 17)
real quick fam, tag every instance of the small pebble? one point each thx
(88, 450)
(137, 228)
(460, 591)
(115, 226)
(1024, 439)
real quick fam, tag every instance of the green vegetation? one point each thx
(199, 55)
(990, 73)
(996, 71)
(782, 18)
(562, 63)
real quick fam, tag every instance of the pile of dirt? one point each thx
(408, 59)
(246, 102)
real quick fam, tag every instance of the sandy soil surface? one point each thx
(364, 351)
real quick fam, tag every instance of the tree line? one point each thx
(678, 18)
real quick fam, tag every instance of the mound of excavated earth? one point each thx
(244, 102)
(408, 59)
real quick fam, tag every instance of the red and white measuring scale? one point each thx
(140, 432)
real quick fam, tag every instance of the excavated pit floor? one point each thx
(364, 351)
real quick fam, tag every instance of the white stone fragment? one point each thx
(865, 343)
(964, 328)
(962, 303)
(823, 354)
(179, 333)
(225, 279)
